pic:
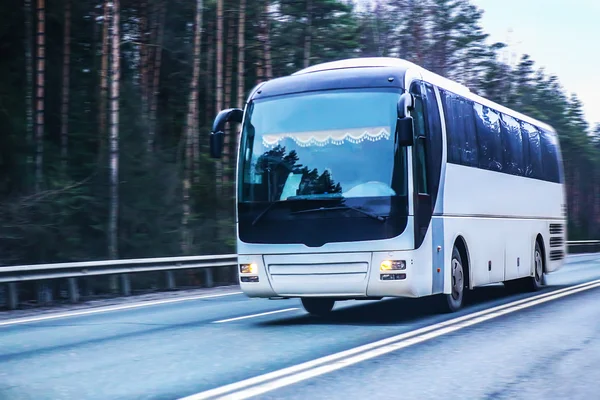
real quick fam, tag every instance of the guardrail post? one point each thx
(113, 284)
(208, 277)
(44, 293)
(170, 280)
(12, 295)
(125, 285)
(73, 290)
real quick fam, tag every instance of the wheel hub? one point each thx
(457, 279)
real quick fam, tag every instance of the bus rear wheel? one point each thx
(454, 301)
(318, 306)
(536, 281)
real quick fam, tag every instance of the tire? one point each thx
(535, 282)
(318, 306)
(454, 301)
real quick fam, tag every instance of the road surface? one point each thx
(540, 345)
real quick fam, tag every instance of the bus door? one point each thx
(427, 160)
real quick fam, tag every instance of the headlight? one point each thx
(392, 265)
(248, 268)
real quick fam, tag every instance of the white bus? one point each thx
(371, 178)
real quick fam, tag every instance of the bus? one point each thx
(371, 178)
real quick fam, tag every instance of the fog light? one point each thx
(249, 279)
(248, 268)
(391, 265)
(392, 277)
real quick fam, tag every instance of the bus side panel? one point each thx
(424, 260)
(437, 231)
(498, 214)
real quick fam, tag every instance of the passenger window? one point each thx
(513, 151)
(460, 131)
(489, 138)
(470, 150)
(454, 134)
(550, 159)
(531, 134)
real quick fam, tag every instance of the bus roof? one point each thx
(428, 76)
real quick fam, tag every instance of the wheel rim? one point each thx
(538, 266)
(457, 279)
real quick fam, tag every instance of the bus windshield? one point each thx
(334, 144)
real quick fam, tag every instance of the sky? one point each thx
(562, 36)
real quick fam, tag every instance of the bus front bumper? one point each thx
(337, 275)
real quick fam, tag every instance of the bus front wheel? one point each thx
(317, 306)
(453, 302)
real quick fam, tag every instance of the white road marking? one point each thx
(294, 374)
(255, 315)
(99, 310)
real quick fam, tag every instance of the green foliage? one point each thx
(67, 220)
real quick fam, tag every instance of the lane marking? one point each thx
(67, 314)
(290, 375)
(311, 373)
(255, 315)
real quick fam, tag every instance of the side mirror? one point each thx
(404, 123)
(216, 144)
(405, 104)
(405, 132)
(217, 134)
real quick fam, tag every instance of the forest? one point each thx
(106, 106)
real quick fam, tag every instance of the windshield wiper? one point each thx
(266, 210)
(343, 207)
(310, 197)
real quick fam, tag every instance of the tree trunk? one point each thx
(241, 54)
(229, 61)
(195, 140)
(227, 157)
(64, 132)
(219, 89)
(308, 34)
(40, 68)
(104, 79)
(144, 58)
(268, 62)
(114, 135)
(241, 77)
(219, 100)
(29, 88)
(156, 78)
(186, 241)
(210, 61)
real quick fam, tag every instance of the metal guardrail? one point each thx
(11, 275)
(112, 267)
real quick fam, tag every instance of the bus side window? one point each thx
(422, 185)
(514, 162)
(550, 157)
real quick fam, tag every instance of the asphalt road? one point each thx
(496, 348)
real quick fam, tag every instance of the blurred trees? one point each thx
(105, 107)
